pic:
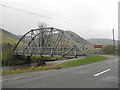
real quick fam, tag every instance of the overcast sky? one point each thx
(88, 18)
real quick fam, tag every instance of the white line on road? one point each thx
(102, 72)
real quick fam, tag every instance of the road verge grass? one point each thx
(88, 60)
(78, 62)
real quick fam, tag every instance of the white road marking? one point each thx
(101, 72)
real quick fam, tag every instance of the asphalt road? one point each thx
(97, 75)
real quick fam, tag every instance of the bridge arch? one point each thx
(51, 41)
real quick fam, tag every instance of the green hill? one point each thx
(7, 37)
(103, 41)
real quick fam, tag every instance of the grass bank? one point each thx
(88, 60)
(78, 62)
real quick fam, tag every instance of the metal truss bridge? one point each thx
(51, 42)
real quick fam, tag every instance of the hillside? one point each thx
(77, 38)
(102, 41)
(7, 37)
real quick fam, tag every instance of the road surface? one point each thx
(102, 74)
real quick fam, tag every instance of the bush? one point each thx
(9, 59)
(108, 49)
(6, 53)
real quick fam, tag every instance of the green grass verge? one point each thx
(84, 61)
(78, 62)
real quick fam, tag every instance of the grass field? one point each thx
(8, 39)
(78, 62)
(5, 38)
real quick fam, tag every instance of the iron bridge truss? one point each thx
(50, 41)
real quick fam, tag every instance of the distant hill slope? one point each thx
(77, 38)
(8, 37)
(102, 41)
(79, 41)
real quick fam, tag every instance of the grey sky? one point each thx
(88, 18)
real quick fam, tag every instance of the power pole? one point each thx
(113, 41)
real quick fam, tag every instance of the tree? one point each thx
(41, 40)
(42, 25)
(108, 49)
